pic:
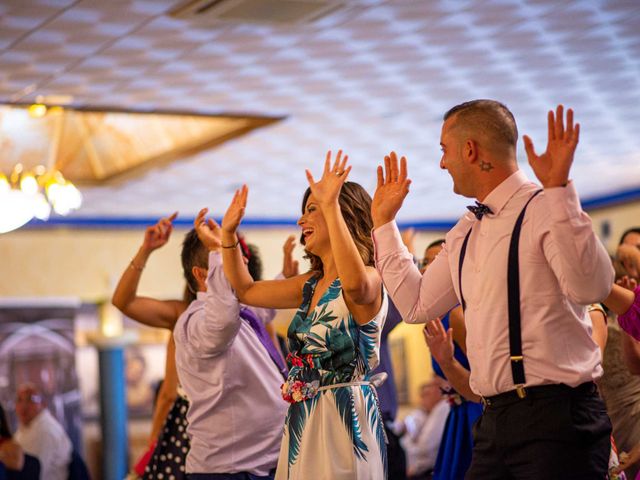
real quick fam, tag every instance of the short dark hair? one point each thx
(435, 243)
(255, 262)
(627, 232)
(355, 206)
(194, 254)
(488, 117)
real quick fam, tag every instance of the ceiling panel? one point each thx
(377, 76)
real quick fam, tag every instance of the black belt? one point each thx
(538, 391)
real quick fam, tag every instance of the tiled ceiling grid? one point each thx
(375, 80)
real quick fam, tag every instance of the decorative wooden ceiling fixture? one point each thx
(92, 146)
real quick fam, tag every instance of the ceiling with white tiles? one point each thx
(375, 75)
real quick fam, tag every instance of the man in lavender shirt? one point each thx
(523, 264)
(236, 413)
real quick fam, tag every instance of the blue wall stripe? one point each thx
(589, 203)
(616, 198)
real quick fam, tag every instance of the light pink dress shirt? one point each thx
(236, 412)
(563, 267)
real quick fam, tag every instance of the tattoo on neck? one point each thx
(486, 166)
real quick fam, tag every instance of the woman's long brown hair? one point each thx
(355, 206)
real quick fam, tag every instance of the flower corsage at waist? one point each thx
(299, 391)
(303, 381)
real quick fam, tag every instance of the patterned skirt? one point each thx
(169, 457)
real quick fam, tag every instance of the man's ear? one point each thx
(470, 151)
(200, 274)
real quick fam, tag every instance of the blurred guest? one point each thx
(631, 236)
(40, 434)
(11, 454)
(424, 427)
(171, 404)
(628, 252)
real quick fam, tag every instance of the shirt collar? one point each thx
(499, 196)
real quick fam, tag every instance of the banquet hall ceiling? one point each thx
(372, 76)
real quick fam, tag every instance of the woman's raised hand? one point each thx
(327, 189)
(439, 341)
(235, 212)
(158, 235)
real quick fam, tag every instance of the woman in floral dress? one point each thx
(333, 429)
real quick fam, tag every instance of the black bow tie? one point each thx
(479, 209)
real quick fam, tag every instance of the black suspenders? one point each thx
(513, 286)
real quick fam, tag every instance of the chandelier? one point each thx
(33, 193)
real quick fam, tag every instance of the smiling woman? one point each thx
(355, 207)
(333, 428)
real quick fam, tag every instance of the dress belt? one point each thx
(363, 383)
(375, 381)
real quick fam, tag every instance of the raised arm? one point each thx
(285, 293)
(211, 329)
(580, 262)
(149, 311)
(290, 267)
(361, 284)
(440, 343)
(619, 300)
(418, 297)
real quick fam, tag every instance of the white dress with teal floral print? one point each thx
(333, 433)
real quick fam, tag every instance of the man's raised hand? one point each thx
(392, 188)
(208, 231)
(235, 212)
(553, 166)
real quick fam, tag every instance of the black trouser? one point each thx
(555, 432)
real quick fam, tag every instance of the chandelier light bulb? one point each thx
(29, 194)
(37, 110)
(28, 184)
(41, 208)
(74, 195)
(4, 184)
(15, 210)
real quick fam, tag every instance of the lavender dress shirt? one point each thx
(563, 267)
(236, 413)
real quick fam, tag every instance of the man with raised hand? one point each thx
(229, 370)
(523, 263)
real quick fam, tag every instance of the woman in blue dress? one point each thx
(454, 455)
(333, 429)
